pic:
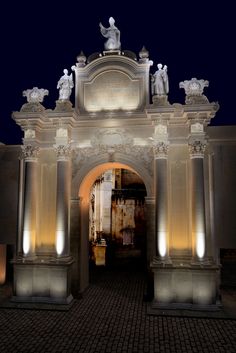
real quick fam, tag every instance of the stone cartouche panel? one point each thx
(112, 90)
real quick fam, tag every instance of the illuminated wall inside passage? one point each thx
(3, 254)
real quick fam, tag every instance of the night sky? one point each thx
(40, 39)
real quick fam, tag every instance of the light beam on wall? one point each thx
(26, 242)
(162, 243)
(60, 242)
(200, 245)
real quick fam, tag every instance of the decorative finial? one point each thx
(143, 54)
(81, 58)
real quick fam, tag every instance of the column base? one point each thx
(42, 300)
(186, 286)
(42, 280)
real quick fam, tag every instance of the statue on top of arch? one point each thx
(160, 82)
(113, 35)
(160, 85)
(65, 85)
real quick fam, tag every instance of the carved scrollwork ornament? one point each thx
(197, 149)
(143, 154)
(29, 153)
(160, 150)
(34, 97)
(194, 91)
(63, 152)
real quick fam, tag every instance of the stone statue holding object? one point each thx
(65, 85)
(160, 82)
(113, 35)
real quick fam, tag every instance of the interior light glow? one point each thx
(2, 263)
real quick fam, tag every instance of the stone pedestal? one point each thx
(63, 106)
(160, 100)
(100, 254)
(42, 281)
(184, 286)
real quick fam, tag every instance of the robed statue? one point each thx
(65, 85)
(160, 82)
(113, 35)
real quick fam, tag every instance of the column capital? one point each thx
(63, 152)
(30, 153)
(160, 149)
(197, 148)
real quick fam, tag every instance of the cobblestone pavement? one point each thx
(111, 317)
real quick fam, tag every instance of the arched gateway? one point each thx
(114, 125)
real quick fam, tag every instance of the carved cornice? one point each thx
(30, 153)
(63, 152)
(160, 150)
(197, 149)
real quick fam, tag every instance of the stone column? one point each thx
(30, 154)
(161, 199)
(62, 200)
(196, 149)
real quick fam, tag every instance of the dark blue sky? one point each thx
(40, 39)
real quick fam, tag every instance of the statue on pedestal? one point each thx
(160, 82)
(65, 85)
(113, 35)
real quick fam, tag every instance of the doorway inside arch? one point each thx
(117, 224)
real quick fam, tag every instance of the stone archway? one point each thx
(81, 186)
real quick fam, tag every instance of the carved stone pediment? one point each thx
(112, 83)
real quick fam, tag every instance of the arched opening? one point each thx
(117, 227)
(124, 230)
